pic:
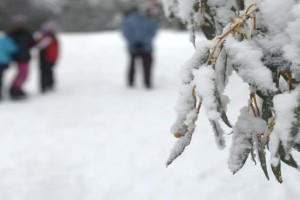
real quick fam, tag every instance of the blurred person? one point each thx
(7, 49)
(48, 45)
(24, 40)
(139, 31)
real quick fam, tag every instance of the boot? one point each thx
(17, 94)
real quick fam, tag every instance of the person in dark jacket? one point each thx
(49, 50)
(139, 31)
(7, 49)
(24, 40)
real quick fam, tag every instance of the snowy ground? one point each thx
(95, 139)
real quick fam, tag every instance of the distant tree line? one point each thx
(36, 15)
(71, 15)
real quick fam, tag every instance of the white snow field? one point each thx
(96, 139)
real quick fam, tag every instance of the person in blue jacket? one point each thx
(7, 49)
(139, 31)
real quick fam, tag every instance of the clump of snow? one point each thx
(292, 49)
(284, 105)
(277, 22)
(185, 104)
(247, 60)
(205, 87)
(198, 59)
(244, 132)
(185, 9)
(185, 139)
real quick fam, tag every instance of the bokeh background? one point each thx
(78, 15)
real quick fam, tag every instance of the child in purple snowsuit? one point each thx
(24, 40)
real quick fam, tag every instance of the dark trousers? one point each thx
(147, 66)
(46, 76)
(2, 69)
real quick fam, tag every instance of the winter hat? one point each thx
(49, 26)
(18, 20)
(130, 7)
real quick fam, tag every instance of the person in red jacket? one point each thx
(48, 45)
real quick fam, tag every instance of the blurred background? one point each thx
(78, 15)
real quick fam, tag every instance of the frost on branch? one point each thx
(259, 40)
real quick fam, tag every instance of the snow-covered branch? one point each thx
(260, 41)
